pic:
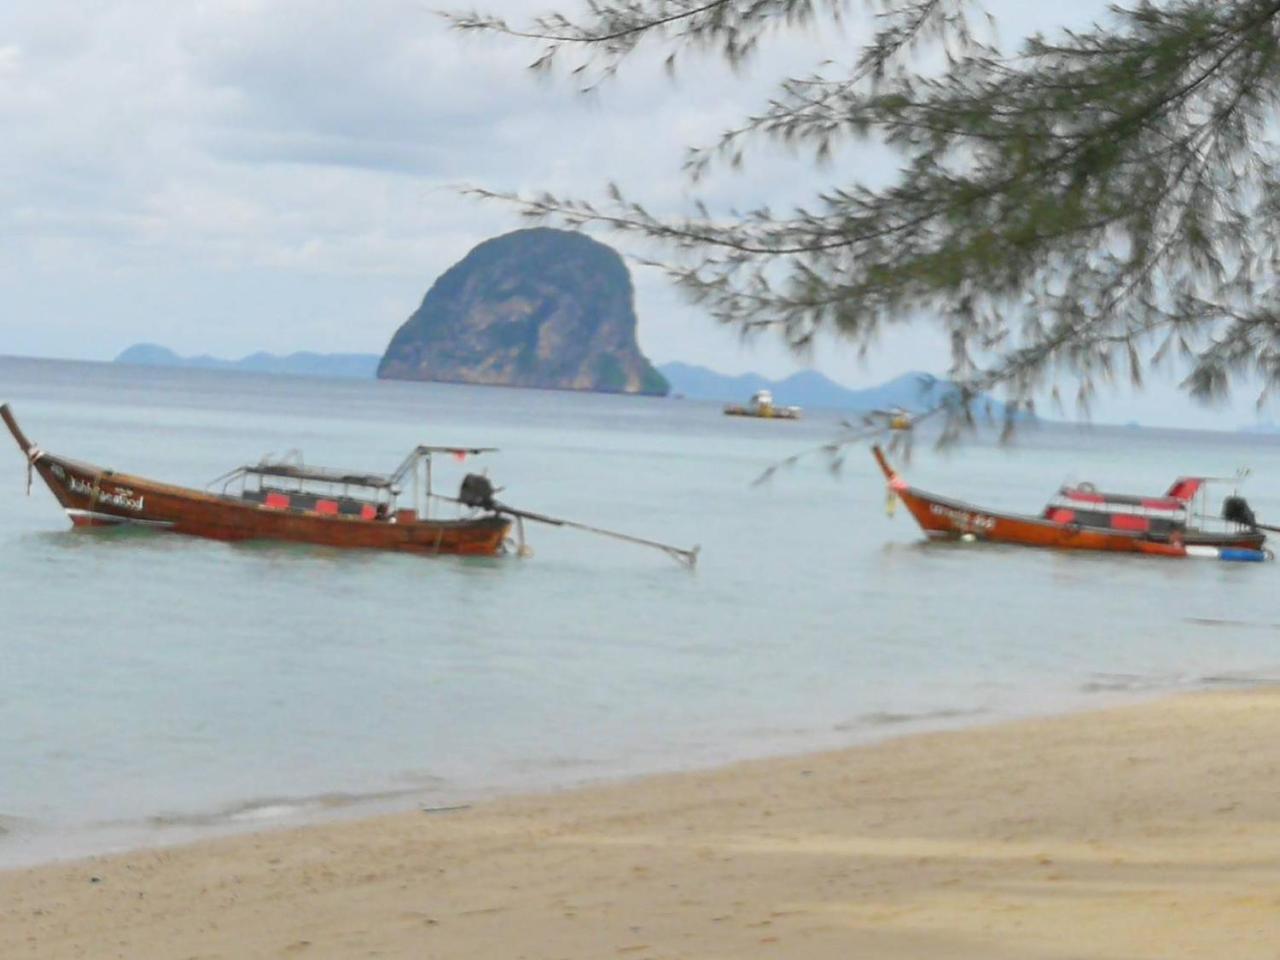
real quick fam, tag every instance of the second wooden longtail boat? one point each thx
(292, 501)
(1082, 518)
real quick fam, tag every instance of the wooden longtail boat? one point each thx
(281, 500)
(276, 501)
(1081, 518)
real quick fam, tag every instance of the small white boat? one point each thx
(761, 405)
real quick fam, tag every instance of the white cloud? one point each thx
(10, 60)
(231, 175)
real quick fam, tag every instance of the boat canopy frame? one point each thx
(377, 488)
(1192, 511)
(1198, 504)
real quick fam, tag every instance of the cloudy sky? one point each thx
(226, 176)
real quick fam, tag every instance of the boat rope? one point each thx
(34, 453)
(522, 549)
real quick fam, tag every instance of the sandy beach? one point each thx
(1143, 831)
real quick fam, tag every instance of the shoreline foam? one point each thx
(1147, 830)
(31, 843)
(28, 843)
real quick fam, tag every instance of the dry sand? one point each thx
(1146, 831)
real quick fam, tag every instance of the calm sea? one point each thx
(155, 687)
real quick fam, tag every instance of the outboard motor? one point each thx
(477, 491)
(1237, 510)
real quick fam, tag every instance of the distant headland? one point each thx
(549, 309)
(302, 364)
(808, 388)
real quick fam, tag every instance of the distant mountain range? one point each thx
(808, 388)
(359, 365)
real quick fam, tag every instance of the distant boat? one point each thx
(1082, 518)
(895, 418)
(761, 405)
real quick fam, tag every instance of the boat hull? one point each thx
(775, 413)
(95, 497)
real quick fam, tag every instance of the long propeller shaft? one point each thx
(482, 497)
(687, 557)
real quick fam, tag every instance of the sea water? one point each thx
(155, 687)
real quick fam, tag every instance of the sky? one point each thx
(227, 176)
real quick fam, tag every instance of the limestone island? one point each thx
(534, 308)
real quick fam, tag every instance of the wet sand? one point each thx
(1145, 831)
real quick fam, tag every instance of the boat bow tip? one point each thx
(883, 461)
(7, 415)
